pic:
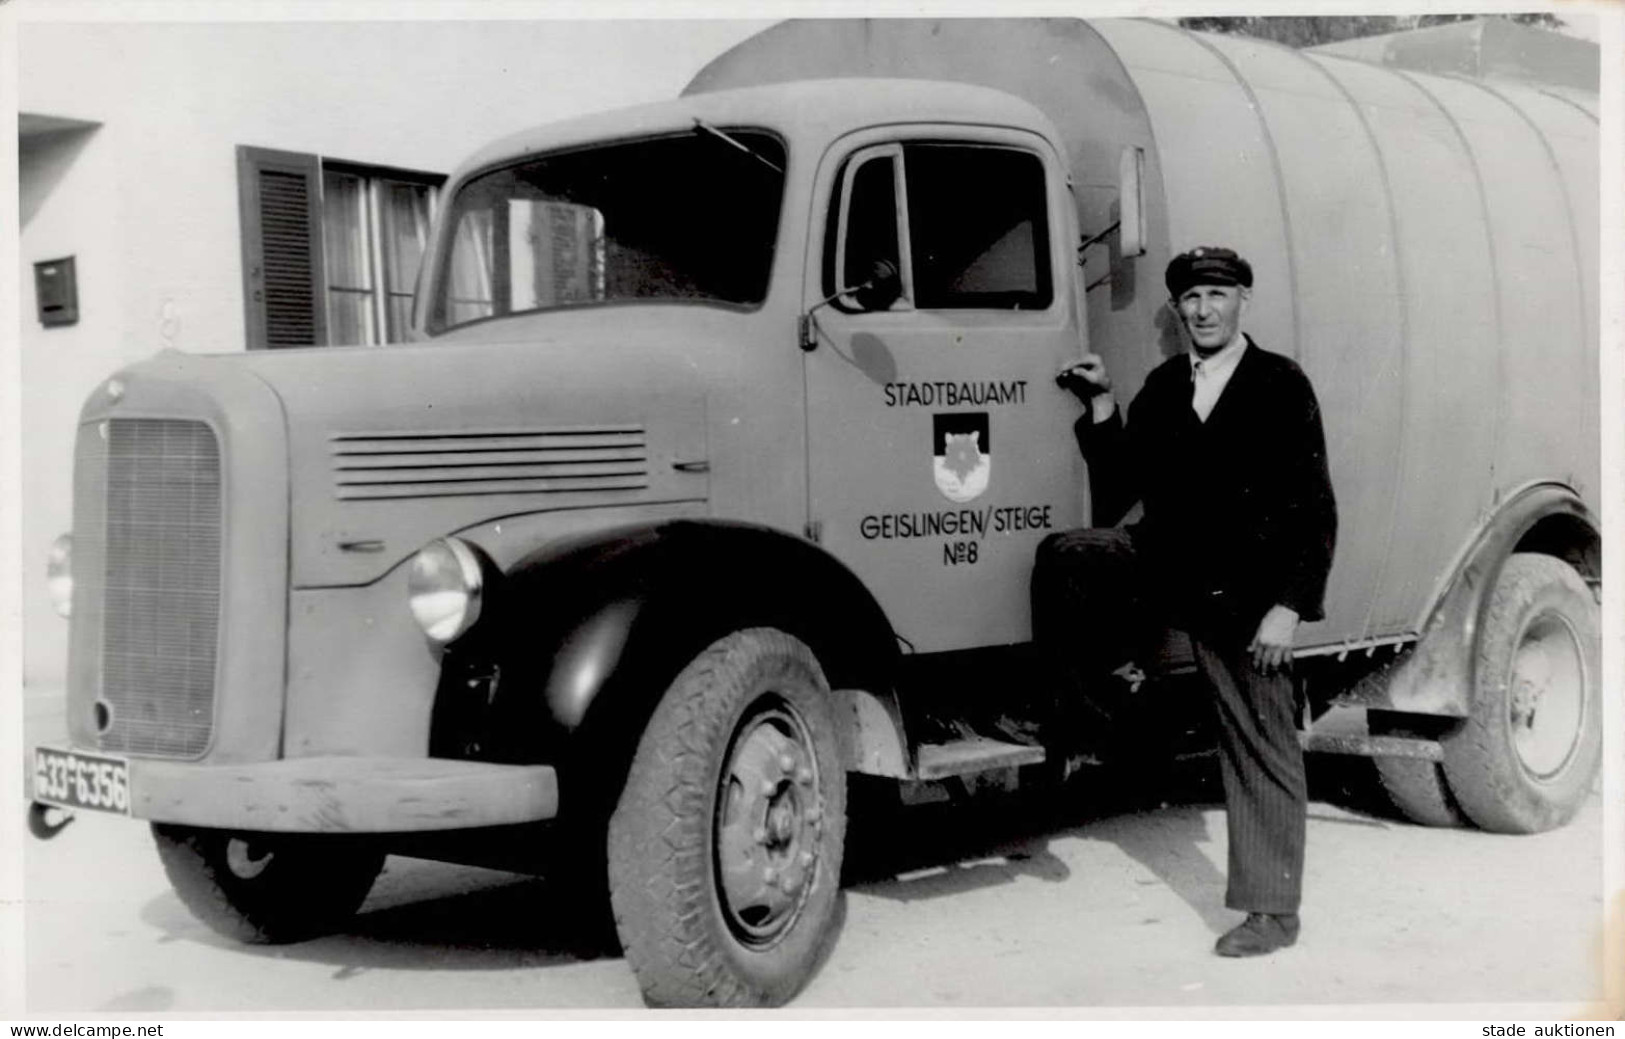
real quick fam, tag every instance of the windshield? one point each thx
(689, 217)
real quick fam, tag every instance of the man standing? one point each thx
(1224, 449)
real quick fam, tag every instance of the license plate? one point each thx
(73, 780)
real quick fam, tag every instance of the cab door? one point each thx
(943, 302)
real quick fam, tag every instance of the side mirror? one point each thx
(881, 289)
(1131, 234)
(878, 291)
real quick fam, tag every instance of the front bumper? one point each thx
(341, 794)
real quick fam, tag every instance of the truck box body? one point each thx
(1425, 246)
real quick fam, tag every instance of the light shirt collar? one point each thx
(1210, 375)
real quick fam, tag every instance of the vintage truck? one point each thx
(718, 465)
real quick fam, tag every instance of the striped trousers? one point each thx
(1265, 789)
(1087, 589)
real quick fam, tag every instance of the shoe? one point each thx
(1260, 933)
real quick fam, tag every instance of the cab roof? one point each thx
(804, 112)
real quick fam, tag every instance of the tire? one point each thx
(1528, 753)
(725, 846)
(1417, 789)
(267, 889)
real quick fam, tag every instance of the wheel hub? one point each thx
(769, 826)
(246, 860)
(1546, 694)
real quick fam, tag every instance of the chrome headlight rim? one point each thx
(446, 589)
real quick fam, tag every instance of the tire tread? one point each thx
(1418, 790)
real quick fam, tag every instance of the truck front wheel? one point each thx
(1526, 756)
(267, 889)
(725, 847)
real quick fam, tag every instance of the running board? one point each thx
(1372, 746)
(963, 757)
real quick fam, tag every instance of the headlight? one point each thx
(445, 588)
(59, 574)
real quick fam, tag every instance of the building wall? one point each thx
(62, 177)
(147, 201)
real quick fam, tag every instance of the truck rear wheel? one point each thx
(267, 889)
(1417, 789)
(1528, 753)
(725, 847)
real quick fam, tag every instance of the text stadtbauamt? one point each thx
(955, 394)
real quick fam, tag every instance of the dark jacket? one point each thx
(1239, 513)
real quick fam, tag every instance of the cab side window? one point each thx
(872, 234)
(977, 227)
(966, 225)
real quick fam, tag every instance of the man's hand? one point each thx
(1088, 380)
(1272, 646)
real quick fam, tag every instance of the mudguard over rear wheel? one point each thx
(267, 888)
(725, 847)
(1527, 755)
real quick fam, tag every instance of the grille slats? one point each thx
(153, 562)
(546, 461)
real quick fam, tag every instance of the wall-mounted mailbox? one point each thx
(57, 291)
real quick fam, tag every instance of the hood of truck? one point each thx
(391, 447)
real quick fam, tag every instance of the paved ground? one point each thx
(1086, 902)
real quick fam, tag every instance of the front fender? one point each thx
(586, 634)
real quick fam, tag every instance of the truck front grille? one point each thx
(148, 548)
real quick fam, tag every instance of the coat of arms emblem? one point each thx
(962, 454)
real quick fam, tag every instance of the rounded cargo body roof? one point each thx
(813, 109)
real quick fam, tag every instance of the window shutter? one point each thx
(283, 285)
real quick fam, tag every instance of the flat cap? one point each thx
(1207, 265)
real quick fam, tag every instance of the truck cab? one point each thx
(717, 410)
